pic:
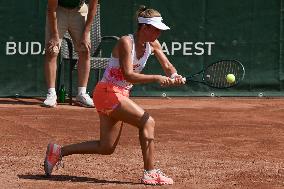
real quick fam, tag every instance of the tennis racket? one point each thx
(215, 75)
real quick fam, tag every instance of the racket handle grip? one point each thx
(183, 79)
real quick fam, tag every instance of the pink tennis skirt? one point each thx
(108, 96)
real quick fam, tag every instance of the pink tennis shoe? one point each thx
(156, 177)
(53, 158)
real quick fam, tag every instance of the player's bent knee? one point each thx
(148, 132)
(145, 119)
(150, 124)
(151, 121)
(148, 128)
(107, 151)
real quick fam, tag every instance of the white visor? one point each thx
(154, 21)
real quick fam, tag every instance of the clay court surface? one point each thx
(200, 142)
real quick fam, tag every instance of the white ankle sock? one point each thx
(51, 91)
(82, 90)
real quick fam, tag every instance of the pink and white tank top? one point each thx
(113, 73)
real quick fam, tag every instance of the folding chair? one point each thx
(67, 53)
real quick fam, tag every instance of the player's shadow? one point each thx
(69, 178)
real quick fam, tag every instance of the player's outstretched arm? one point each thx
(167, 66)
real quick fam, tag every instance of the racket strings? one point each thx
(215, 75)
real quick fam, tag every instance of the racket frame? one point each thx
(190, 78)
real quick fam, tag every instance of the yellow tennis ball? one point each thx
(230, 78)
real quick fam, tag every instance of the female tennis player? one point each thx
(111, 97)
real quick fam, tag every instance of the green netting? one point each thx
(202, 32)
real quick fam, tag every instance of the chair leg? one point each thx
(60, 73)
(72, 65)
(70, 85)
(99, 75)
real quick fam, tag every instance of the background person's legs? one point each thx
(50, 66)
(76, 29)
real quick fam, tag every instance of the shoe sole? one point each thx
(155, 183)
(84, 105)
(48, 106)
